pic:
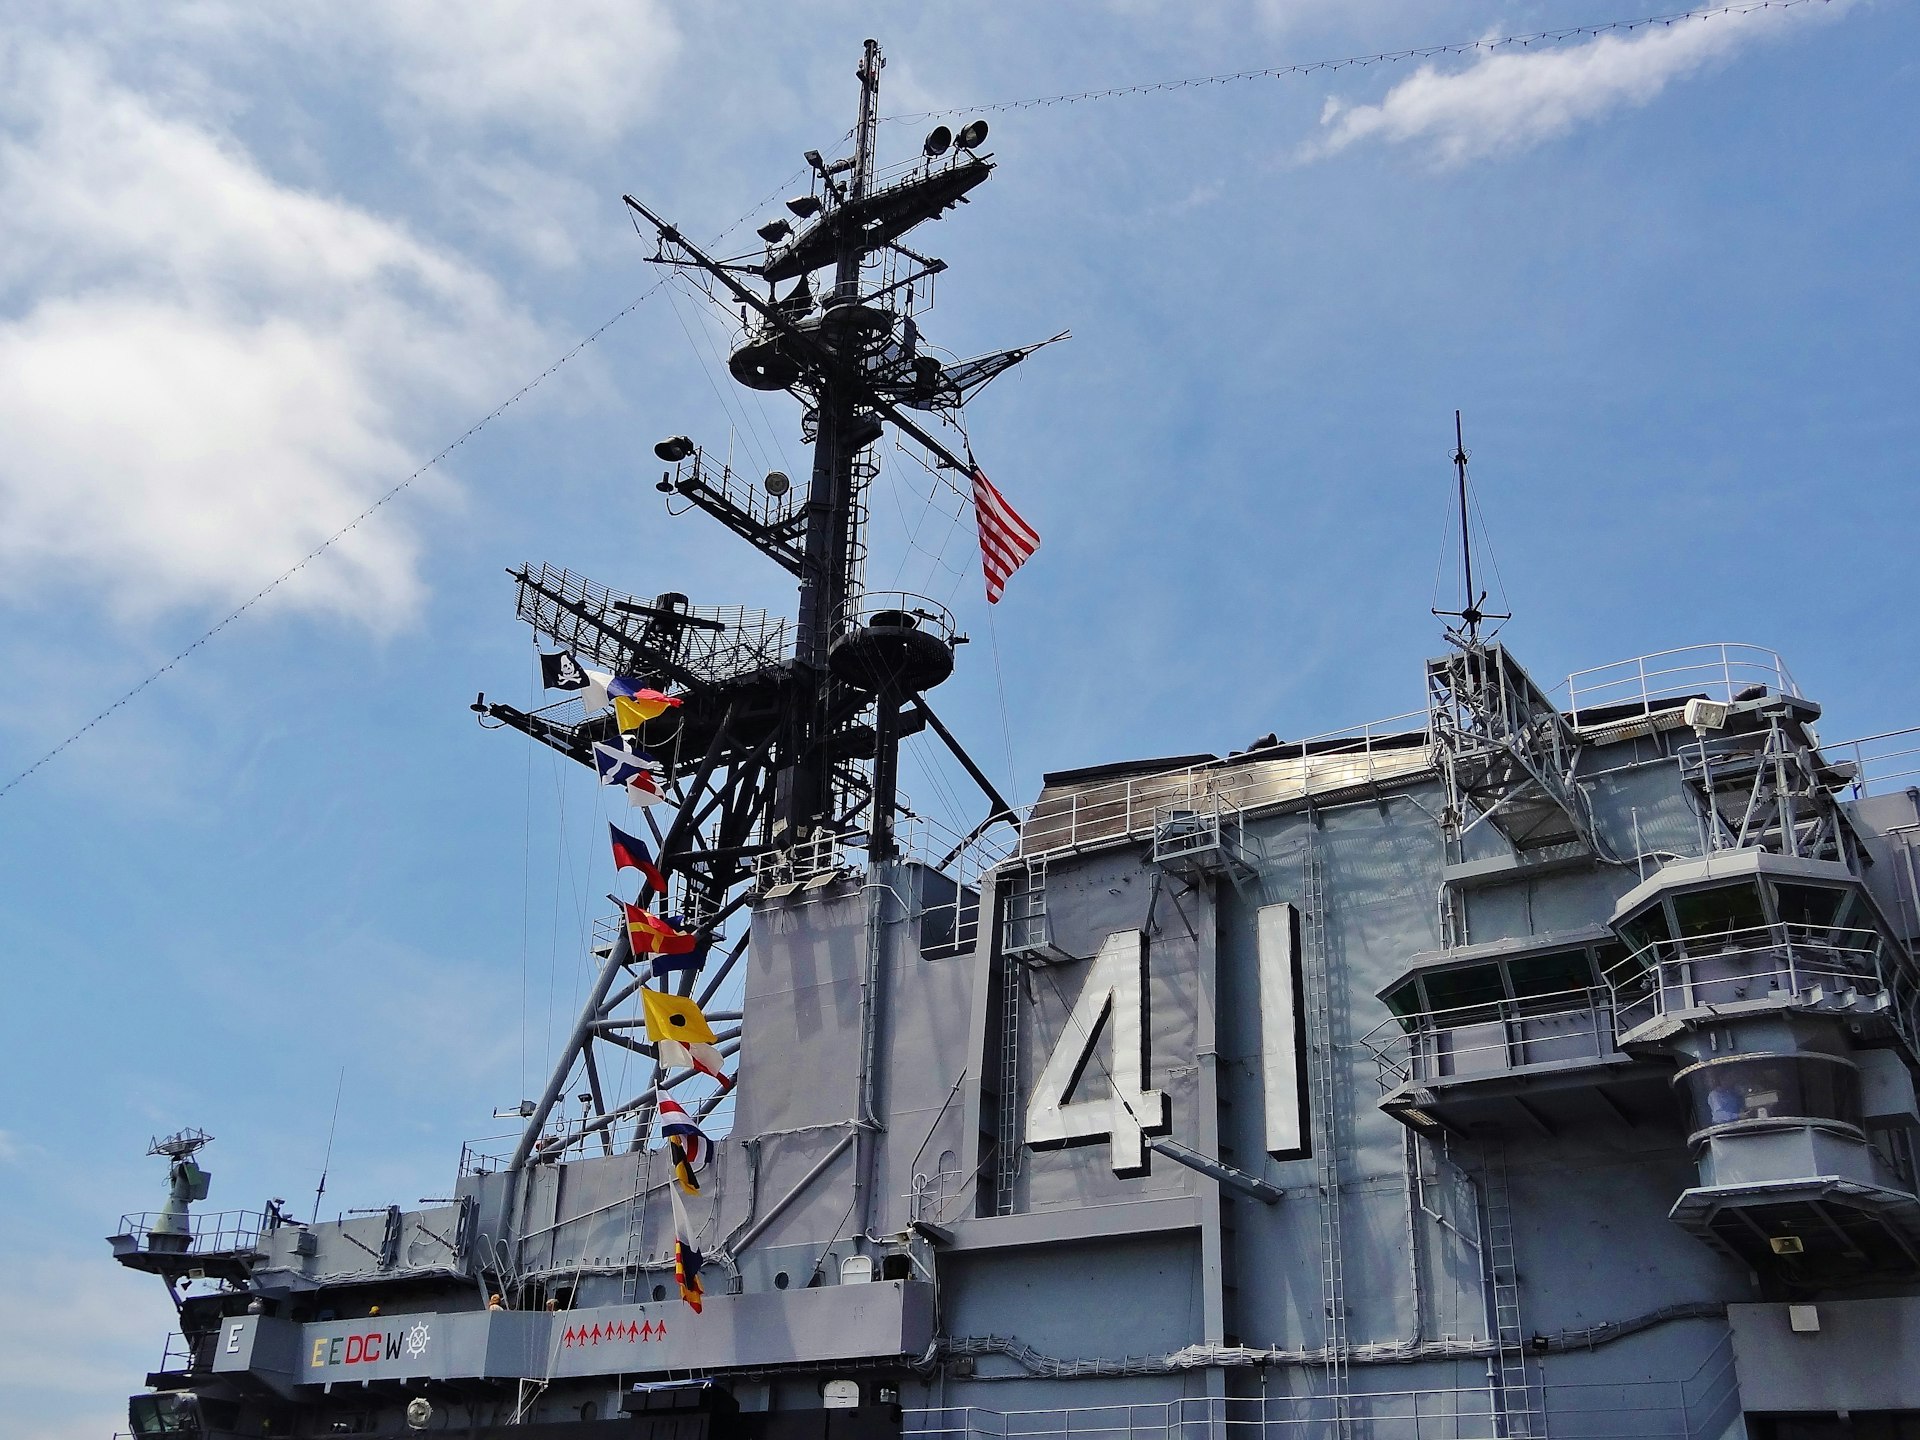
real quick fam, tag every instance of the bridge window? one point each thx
(1649, 927)
(1555, 981)
(1404, 1002)
(1703, 914)
(1459, 995)
(1739, 1088)
(1811, 907)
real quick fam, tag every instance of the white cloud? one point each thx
(204, 372)
(1511, 99)
(586, 69)
(76, 1333)
(10, 1148)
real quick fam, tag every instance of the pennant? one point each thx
(681, 1034)
(1006, 541)
(704, 1058)
(632, 854)
(690, 1142)
(560, 671)
(683, 1168)
(644, 789)
(631, 711)
(653, 936)
(686, 1260)
(594, 693)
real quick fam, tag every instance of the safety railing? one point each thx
(821, 857)
(1776, 962)
(218, 1232)
(947, 901)
(476, 1161)
(1695, 1407)
(901, 608)
(1879, 761)
(1719, 671)
(1474, 1041)
(1075, 818)
(176, 1355)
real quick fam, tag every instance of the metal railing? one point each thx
(1495, 1038)
(1696, 1407)
(217, 1232)
(176, 1355)
(1103, 814)
(823, 854)
(948, 909)
(1775, 962)
(1879, 760)
(1718, 671)
(475, 1161)
(918, 611)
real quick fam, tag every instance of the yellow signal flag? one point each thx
(634, 708)
(675, 1017)
(632, 714)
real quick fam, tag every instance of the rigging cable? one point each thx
(327, 544)
(1352, 62)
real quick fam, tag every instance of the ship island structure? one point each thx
(1538, 1064)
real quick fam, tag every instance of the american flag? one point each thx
(1006, 541)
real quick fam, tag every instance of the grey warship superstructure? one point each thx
(1539, 1063)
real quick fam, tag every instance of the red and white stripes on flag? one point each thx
(1006, 541)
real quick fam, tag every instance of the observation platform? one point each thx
(223, 1245)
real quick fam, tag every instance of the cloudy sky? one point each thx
(263, 263)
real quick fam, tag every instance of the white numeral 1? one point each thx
(1282, 1073)
(1115, 991)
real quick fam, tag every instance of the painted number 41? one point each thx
(1108, 1031)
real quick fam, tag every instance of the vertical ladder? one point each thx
(633, 1268)
(1518, 1401)
(1007, 1157)
(1323, 1101)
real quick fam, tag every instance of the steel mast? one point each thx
(785, 746)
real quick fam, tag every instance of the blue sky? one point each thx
(264, 262)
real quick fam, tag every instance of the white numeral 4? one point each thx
(1115, 992)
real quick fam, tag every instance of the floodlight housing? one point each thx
(972, 135)
(804, 206)
(674, 449)
(937, 141)
(774, 231)
(1706, 715)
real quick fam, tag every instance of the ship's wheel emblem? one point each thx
(417, 1339)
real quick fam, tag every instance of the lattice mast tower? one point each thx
(778, 753)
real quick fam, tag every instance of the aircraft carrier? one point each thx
(1538, 1063)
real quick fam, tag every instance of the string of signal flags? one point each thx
(682, 1036)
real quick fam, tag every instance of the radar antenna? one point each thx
(1470, 615)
